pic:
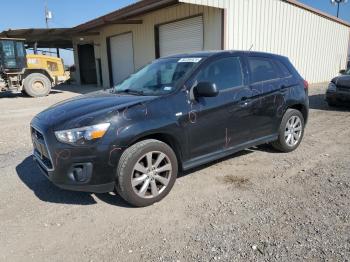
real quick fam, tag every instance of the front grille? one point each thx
(41, 151)
(37, 134)
(46, 161)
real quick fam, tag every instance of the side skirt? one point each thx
(226, 152)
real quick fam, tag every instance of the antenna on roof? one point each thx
(251, 47)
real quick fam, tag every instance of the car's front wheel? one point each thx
(291, 131)
(146, 172)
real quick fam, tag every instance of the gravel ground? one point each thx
(257, 205)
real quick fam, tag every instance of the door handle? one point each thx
(284, 89)
(244, 104)
(245, 101)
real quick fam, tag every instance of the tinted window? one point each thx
(225, 73)
(284, 72)
(262, 69)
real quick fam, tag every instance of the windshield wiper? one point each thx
(132, 92)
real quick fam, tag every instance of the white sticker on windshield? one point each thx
(190, 60)
(167, 88)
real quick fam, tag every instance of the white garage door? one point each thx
(184, 36)
(122, 56)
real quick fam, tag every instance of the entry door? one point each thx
(87, 64)
(184, 36)
(122, 57)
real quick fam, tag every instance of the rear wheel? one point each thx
(37, 85)
(146, 172)
(291, 131)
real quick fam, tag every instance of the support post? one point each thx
(35, 47)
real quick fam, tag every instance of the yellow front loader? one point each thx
(32, 74)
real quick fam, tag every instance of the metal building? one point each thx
(118, 43)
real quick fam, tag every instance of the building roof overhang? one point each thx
(43, 37)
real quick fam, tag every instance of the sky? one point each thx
(68, 13)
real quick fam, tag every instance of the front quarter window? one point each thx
(158, 78)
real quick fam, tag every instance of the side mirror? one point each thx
(342, 72)
(205, 89)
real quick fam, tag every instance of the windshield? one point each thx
(158, 78)
(13, 53)
(347, 72)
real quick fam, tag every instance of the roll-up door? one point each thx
(122, 57)
(183, 36)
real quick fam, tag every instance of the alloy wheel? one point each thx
(151, 174)
(293, 132)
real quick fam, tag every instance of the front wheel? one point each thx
(37, 85)
(291, 131)
(146, 172)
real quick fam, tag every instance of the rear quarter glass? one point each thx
(291, 67)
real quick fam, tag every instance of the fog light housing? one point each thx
(80, 173)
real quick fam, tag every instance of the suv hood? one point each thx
(343, 81)
(92, 106)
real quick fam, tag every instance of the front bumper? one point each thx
(88, 168)
(68, 185)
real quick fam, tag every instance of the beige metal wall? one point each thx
(316, 45)
(144, 38)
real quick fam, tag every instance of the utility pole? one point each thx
(48, 16)
(338, 2)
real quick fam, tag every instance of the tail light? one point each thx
(306, 85)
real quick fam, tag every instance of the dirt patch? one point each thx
(236, 181)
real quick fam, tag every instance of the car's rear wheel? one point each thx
(146, 172)
(291, 131)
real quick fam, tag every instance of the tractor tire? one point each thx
(37, 85)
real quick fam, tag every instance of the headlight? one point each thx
(332, 87)
(83, 134)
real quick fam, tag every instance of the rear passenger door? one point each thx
(265, 84)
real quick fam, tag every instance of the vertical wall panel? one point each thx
(279, 27)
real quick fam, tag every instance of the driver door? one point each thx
(211, 119)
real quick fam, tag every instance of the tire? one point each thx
(149, 185)
(37, 85)
(288, 134)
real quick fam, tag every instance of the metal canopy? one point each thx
(44, 38)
